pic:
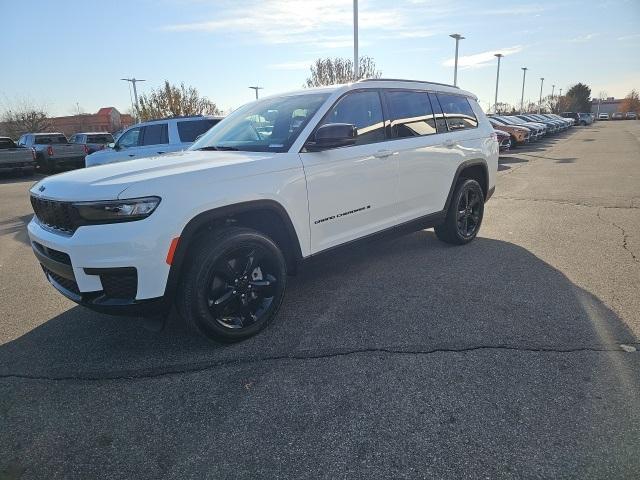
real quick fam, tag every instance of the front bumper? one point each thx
(116, 268)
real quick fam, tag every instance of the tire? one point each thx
(469, 199)
(233, 284)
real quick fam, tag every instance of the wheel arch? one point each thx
(475, 169)
(266, 216)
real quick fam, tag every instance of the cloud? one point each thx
(584, 38)
(321, 23)
(480, 60)
(629, 37)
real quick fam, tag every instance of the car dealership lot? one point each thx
(510, 357)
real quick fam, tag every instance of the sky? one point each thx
(69, 55)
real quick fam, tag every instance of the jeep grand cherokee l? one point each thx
(217, 228)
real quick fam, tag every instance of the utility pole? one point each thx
(540, 101)
(133, 82)
(553, 106)
(524, 75)
(256, 88)
(457, 37)
(495, 100)
(356, 58)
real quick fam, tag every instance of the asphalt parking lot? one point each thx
(513, 357)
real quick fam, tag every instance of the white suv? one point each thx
(153, 138)
(217, 228)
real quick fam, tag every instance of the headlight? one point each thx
(112, 211)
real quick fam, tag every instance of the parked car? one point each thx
(540, 129)
(519, 135)
(92, 141)
(617, 116)
(217, 228)
(53, 151)
(585, 119)
(603, 116)
(16, 159)
(553, 126)
(569, 122)
(154, 138)
(573, 115)
(593, 117)
(504, 139)
(631, 116)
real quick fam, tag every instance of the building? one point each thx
(107, 119)
(609, 105)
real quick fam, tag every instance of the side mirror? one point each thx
(332, 135)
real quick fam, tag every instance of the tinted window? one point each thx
(129, 138)
(155, 134)
(410, 114)
(103, 139)
(6, 143)
(441, 124)
(457, 112)
(47, 139)
(190, 130)
(363, 110)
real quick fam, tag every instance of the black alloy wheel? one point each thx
(233, 285)
(469, 210)
(464, 215)
(242, 287)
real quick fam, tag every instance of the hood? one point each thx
(106, 182)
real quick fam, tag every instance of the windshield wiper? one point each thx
(219, 147)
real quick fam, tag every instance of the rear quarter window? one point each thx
(457, 112)
(189, 130)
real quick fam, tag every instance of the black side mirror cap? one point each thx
(332, 135)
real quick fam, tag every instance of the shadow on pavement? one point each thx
(17, 227)
(412, 293)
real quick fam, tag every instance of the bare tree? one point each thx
(327, 71)
(22, 118)
(631, 102)
(173, 101)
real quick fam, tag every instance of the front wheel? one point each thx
(233, 285)
(465, 213)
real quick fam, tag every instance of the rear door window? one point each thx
(410, 113)
(362, 109)
(50, 139)
(189, 130)
(101, 139)
(156, 134)
(457, 112)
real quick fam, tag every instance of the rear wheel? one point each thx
(234, 284)
(464, 216)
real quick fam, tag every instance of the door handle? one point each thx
(383, 153)
(160, 153)
(132, 155)
(449, 143)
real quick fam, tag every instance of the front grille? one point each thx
(53, 254)
(59, 216)
(63, 282)
(120, 283)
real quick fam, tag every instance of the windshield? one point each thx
(46, 140)
(269, 125)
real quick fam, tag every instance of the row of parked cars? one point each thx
(50, 152)
(618, 116)
(514, 130)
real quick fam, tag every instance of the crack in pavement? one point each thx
(625, 236)
(200, 367)
(563, 202)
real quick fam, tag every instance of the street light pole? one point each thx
(524, 75)
(356, 59)
(457, 37)
(256, 88)
(495, 100)
(540, 101)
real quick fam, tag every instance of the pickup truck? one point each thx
(92, 141)
(53, 150)
(14, 158)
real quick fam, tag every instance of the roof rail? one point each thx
(405, 80)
